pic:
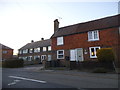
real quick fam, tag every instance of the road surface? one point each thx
(30, 78)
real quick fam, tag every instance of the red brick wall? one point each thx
(108, 38)
(8, 55)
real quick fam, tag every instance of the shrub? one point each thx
(105, 55)
(100, 70)
(13, 63)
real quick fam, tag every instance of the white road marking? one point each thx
(14, 82)
(39, 81)
(11, 83)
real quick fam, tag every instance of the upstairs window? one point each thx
(93, 35)
(31, 50)
(36, 50)
(60, 41)
(4, 52)
(20, 51)
(49, 48)
(25, 51)
(44, 49)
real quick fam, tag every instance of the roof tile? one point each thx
(37, 44)
(98, 24)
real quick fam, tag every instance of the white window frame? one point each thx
(43, 57)
(29, 58)
(60, 54)
(94, 51)
(36, 50)
(31, 50)
(25, 58)
(25, 51)
(35, 57)
(49, 48)
(91, 35)
(20, 51)
(60, 40)
(44, 49)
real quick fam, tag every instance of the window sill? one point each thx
(60, 58)
(94, 40)
(93, 57)
(60, 44)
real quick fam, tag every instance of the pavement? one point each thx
(40, 68)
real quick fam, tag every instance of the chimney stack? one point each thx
(42, 39)
(56, 25)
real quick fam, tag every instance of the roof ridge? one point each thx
(102, 23)
(5, 47)
(39, 41)
(89, 21)
(37, 44)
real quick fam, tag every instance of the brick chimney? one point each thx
(56, 25)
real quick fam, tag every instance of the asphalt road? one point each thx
(31, 78)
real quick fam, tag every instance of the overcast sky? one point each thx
(24, 20)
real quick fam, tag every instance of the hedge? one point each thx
(105, 55)
(13, 63)
(100, 70)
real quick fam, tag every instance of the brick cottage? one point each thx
(6, 53)
(80, 42)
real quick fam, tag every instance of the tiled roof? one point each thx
(37, 44)
(4, 47)
(98, 24)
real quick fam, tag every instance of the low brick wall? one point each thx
(91, 65)
(31, 62)
(52, 63)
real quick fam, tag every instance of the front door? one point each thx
(73, 55)
(76, 54)
(49, 57)
(79, 54)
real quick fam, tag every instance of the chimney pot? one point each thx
(32, 41)
(42, 38)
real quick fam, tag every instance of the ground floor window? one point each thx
(60, 54)
(29, 58)
(43, 57)
(36, 57)
(93, 51)
(24, 58)
(20, 58)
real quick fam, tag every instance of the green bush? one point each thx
(105, 55)
(13, 63)
(100, 70)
